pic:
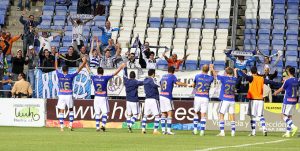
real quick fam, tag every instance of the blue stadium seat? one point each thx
(59, 20)
(154, 22)
(263, 44)
(168, 22)
(278, 13)
(61, 12)
(219, 65)
(265, 23)
(100, 20)
(223, 23)
(250, 33)
(279, 4)
(68, 28)
(264, 33)
(292, 14)
(293, 24)
(292, 45)
(277, 34)
(293, 4)
(291, 34)
(277, 44)
(251, 23)
(49, 2)
(196, 23)
(291, 58)
(182, 22)
(279, 24)
(191, 65)
(203, 62)
(73, 10)
(55, 43)
(2, 19)
(162, 64)
(74, 2)
(63, 50)
(48, 10)
(291, 53)
(209, 23)
(249, 44)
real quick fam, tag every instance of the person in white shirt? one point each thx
(77, 31)
(151, 62)
(45, 40)
(94, 54)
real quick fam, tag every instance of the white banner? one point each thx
(22, 112)
(47, 84)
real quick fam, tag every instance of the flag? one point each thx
(139, 54)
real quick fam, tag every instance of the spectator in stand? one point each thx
(7, 36)
(111, 46)
(18, 63)
(53, 51)
(71, 56)
(84, 7)
(22, 88)
(267, 75)
(94, 55)
(132, 61)
(77, 32)
(146, 50)
(28, 39)
(107, 61)
(242, 87)
(30, 21)
(45, 40)
(3, 50)
(7, 82)
(32, 59)
(272, 67)
(119, 59)
(46, 61)
(173, 61)
(151, 61)
(106, 34)
(27, 5)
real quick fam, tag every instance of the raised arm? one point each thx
(235, 72)
(22, 18)
(71, 20)
(88, 21)
(119, 69)
(185, 57)
(92, 46)
(248, 78)
(82, 65)
(228, 54)
(164, 55)
(56, 63)
(213, 71)
(181, 84)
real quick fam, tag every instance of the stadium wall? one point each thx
(183, 116)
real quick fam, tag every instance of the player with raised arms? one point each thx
(227, 97)
(132, 98)
(290, 86)
(101, 100)
(65, 94)
(151, 101)
(166, 104)
(201, 84)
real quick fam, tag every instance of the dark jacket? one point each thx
(18, 65)
(26, 23)
(131, 86)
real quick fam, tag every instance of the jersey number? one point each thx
(200, 85)
(65, 85)
(294, 91)
(229, 89)
(99, 88)
(164, 85)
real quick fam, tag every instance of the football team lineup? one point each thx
(161, 106)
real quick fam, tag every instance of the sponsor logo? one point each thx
(26, 113)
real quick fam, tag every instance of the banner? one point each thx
(47, 83)
(182, 119)
(22, 112)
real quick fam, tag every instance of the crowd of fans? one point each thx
(102, 51)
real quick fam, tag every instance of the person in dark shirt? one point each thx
(242, 87)
(46, 60)
(71, 55)
(132, 98)
(18, 63)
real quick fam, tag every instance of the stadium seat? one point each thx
(183, 12)
(59, 20)
(293, 24)
(191, 65)
(292, 45)
(263, 44)
(154, 22)
(265, 23)
(196, 23)
(209, 23)
(279, 4)
(250, 33)
(182, 23)
(277, 44)
(223, 23)
(168, 22)
(219, 65)
(162, 64)
(278, 14)
(277, 34)
(264, 33)
(249, 44)
(196, 12)
(48, 10)
(251, 23)
(291, 34)
(279, 24)
(292, 14)
(293, 4)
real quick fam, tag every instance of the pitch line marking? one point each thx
(243, 145)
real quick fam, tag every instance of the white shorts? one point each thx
(166, 104)
(65, 100)
(132, 108)
(151, 107)
(288, 109)
(226, 106)
(200, 104)
(101, 105)
(256, 108)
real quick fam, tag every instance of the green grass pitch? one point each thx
(51, 139)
